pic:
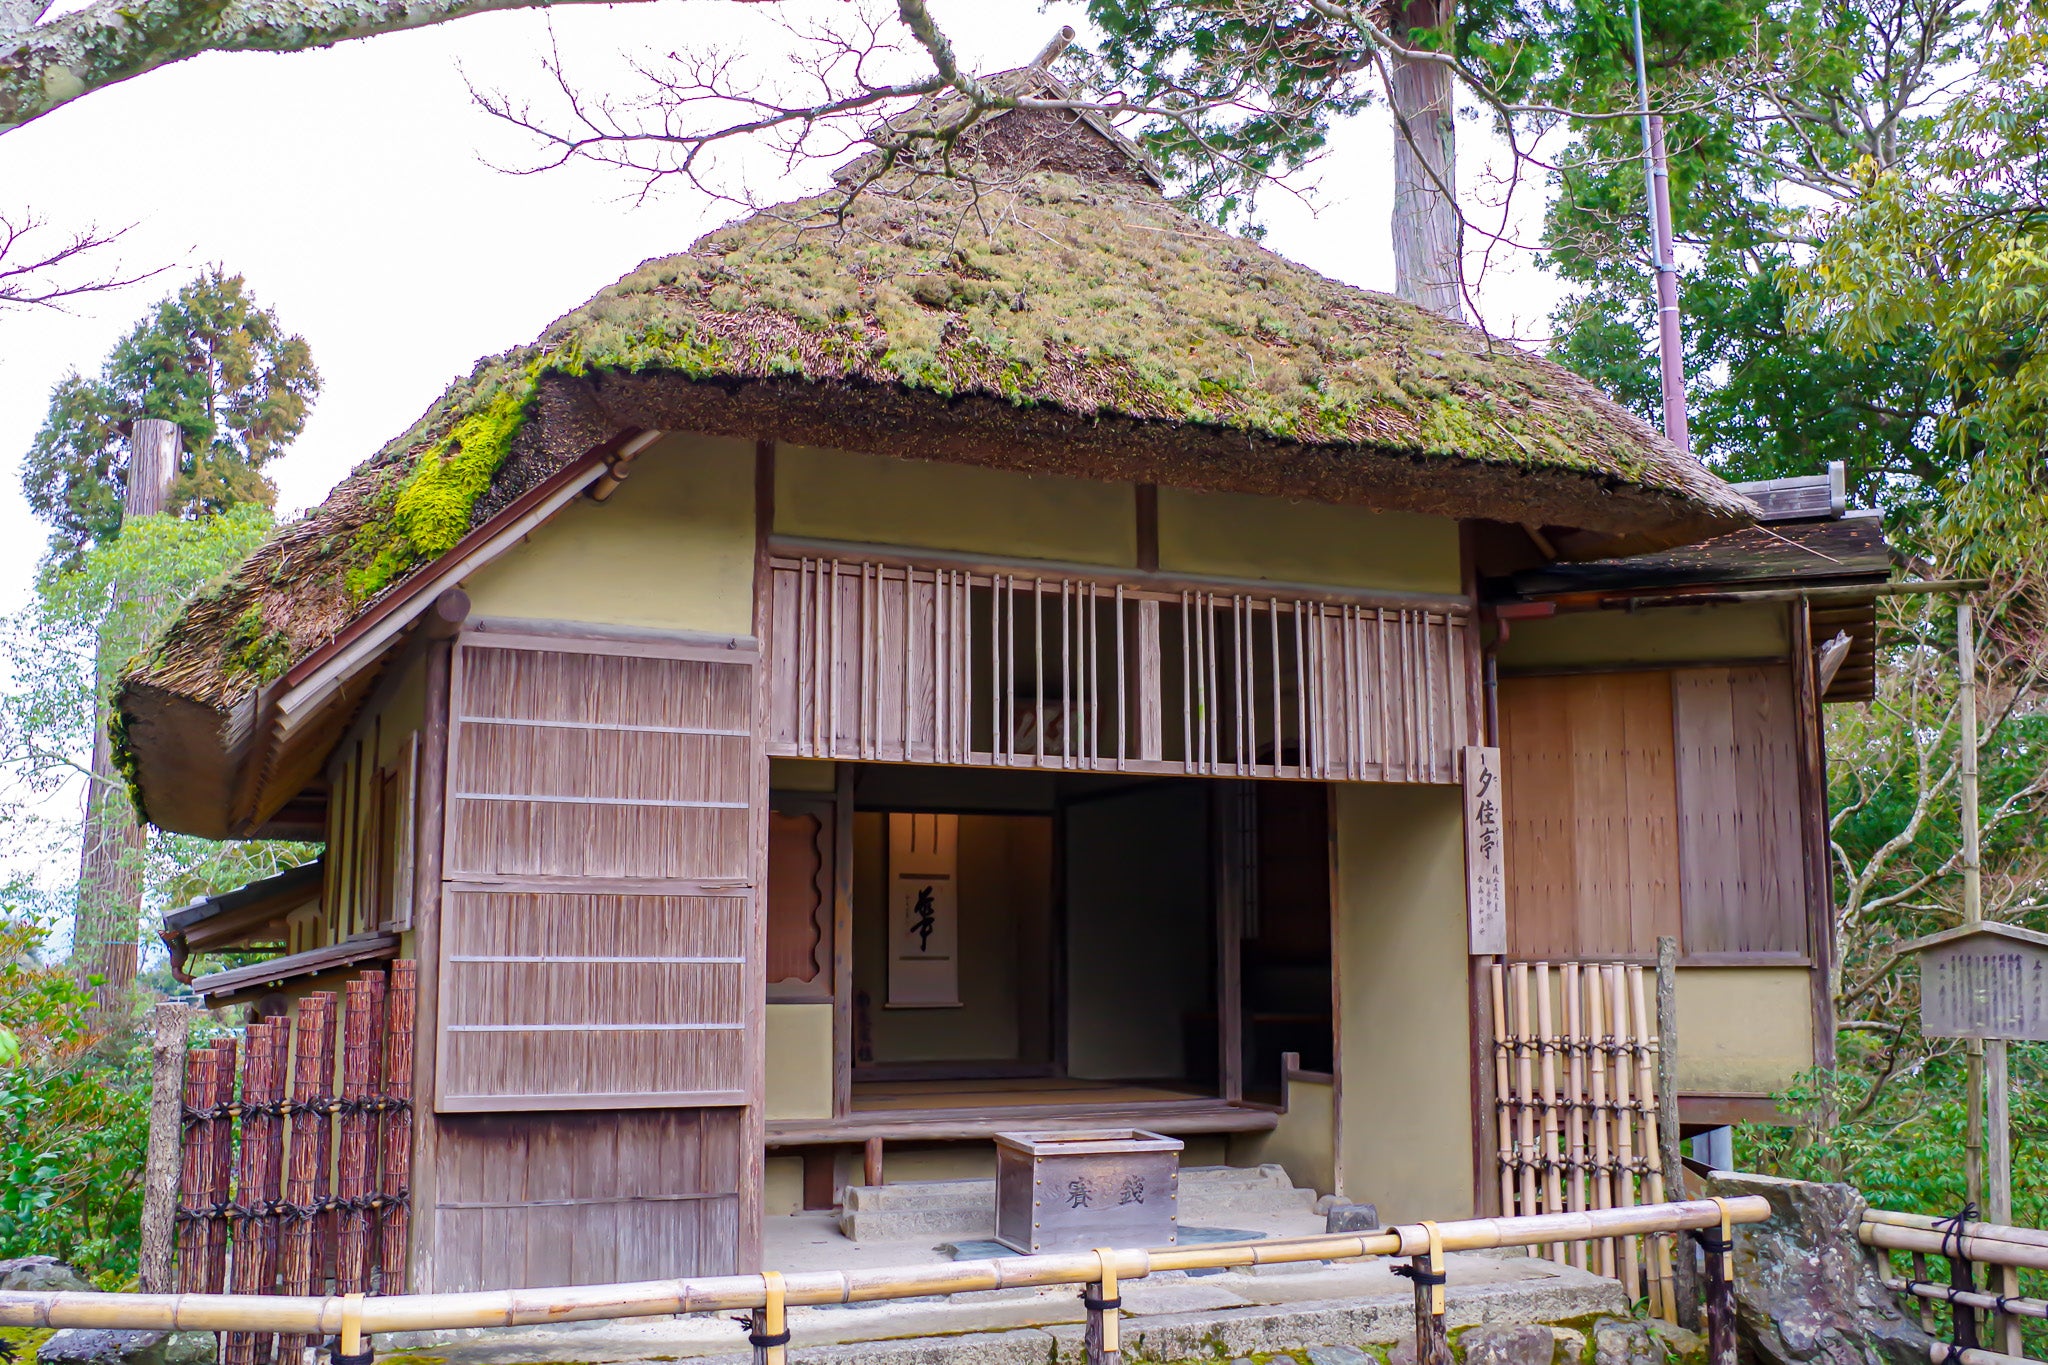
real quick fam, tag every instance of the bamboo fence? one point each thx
(1575, 1082)
(1965, 1244)
(299, 1179)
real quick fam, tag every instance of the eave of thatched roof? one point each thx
(1037, 320)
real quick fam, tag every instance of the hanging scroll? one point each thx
(924, 911)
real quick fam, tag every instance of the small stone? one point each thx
(1570, 1344)
(1337, 1355)
(1351, 1218)
(1516, 1344)
(41, 1275)
(1685, 1345)
(104, 1346)
(1621, 1341)
(1403, 1351)
(191, 1348)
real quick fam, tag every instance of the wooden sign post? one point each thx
(1485, 854)
(1986, 981)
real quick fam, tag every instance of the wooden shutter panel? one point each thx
(599, 855)
(1740, 843)
(799, 897)
(1589, 813)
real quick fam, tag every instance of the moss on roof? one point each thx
(1092, 297)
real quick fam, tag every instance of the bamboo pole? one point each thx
(1618, 1049)
(1973, 1245)
(1525, 1089)
(1575, 1116)
(1934, 1293)
(1987, 1231)
(1503, 1096)
(1596, 1063)
(1973, 889)
(736, 1293)
(1553, 1168)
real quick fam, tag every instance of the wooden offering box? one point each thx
(1075, 1191)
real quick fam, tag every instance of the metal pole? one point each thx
(1973, 883)
(1664, 264)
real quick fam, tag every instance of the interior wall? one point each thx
(874, 499)
(1140, 933)
(1405, 1118)
(1239, 536)
(799, 1061)
(672, 549)
(1005, 914)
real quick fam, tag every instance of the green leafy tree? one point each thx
(210, 359)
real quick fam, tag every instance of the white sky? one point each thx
(349, 187)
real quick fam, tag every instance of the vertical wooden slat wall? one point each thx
(1589, 811)
(594, 956)
(1658, 801)
(1740, 842)
(907, 663)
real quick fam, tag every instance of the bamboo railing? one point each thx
(768, 1296)
(1964, 1244)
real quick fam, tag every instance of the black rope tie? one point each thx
(1095, 1305)
(759, 1339)
(1713, 1243)
(365, 1357)
(1424, 1279)
(1961, 1278)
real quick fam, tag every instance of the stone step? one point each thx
(1209, 1196)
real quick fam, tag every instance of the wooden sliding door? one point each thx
(596, 955)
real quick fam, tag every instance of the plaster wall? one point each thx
(1272, 539)
(1743, 1029)
(1661, 635)
(673, 549)
(1305, 1142)
(799, 1061)
(1405, 1117)
(877, 500)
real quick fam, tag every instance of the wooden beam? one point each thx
(429, 850)
(1814, 850)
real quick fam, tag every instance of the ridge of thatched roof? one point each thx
(1047, 322)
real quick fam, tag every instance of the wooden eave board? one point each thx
(1791, 554)
(1983, 929)
(281, 969)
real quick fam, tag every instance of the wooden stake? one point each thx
(1721, 1293)
(1685, 1273)
(1432, 1341)
(170, 1023)
(769, 1332)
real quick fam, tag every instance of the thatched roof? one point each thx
(1052, 313)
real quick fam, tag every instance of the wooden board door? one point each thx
(594, 1060)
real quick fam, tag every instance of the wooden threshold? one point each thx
(947, 1125)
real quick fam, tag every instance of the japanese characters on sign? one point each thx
(1485, 856)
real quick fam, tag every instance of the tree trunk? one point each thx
(1428, 236)
(106, 939)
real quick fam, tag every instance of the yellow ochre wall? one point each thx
(1304, 1142)
(800, 1061)
(1743, 1029)
(873, 499)
(672, 549)
(1403, 1048)
(1234, 536)
(1660, 635)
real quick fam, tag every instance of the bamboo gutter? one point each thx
(352, 1315)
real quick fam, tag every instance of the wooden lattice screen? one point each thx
(295, 1167)
(1575, 1080)
(909, 663)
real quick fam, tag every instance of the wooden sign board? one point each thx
(1986, 981)
(1486, 882)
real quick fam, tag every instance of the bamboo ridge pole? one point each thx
(734, 1293)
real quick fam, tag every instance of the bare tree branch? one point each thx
(38, 270)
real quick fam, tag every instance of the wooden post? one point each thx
(873, 1171)
(768, 1326)
(169, 1027)
(1101, 1342)
(1685, 1274)
(1432, 1341)
(1720, 1246)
